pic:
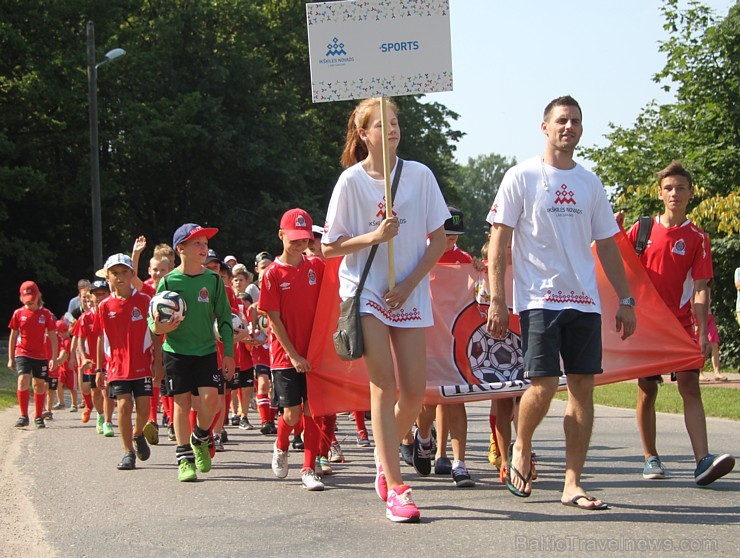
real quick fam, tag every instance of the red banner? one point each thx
(465, 364)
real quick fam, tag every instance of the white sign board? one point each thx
(371, 48)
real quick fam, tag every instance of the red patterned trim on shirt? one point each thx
(396, 315)
(582, 298)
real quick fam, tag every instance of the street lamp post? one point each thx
(92, 94)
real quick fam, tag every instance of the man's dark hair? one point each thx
(564, 101)
(676, 168)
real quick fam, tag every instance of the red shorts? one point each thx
(712, 332)
(68, 378)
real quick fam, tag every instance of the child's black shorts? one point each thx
(187, 373)
(138, 388)
(233, 383)
(38, 368)
(241, 379)
(262, 370)
(53, 383)
(288, 388)
(246, 378)
(89, 379)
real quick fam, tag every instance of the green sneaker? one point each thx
(99, 425)
(187, 471)
(202, 455)
(107, 430)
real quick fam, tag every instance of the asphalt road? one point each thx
(64, 496)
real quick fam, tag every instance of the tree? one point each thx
(208, 119)
(476, 184)
(702, 128)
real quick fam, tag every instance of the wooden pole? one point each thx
(388, 197)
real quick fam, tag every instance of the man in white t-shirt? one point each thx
(553, 208)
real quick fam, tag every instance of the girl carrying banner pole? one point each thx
(356, 220)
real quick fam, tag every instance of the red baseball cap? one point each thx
(62, 326)
(29, 291)
(296, 224)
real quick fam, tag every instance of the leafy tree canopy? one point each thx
(207, 119)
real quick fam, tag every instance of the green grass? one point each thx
(718, 402)
(8, 384)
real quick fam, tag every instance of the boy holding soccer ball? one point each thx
(189, 349)
(124, 349)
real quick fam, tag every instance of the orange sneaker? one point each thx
(86, 414)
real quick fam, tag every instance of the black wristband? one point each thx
(100, 370)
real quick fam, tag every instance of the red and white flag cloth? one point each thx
(465, 364)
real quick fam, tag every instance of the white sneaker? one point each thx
(279, 462)
(311, 480)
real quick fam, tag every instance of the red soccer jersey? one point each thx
(83, 329)
(674, 258)
(32, 326)
(148, 289)
(127, 340)
(294, 292)
(455, 256)
(243, 357)
(65, 344)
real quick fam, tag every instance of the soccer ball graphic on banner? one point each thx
(237, 323)
(168, 304)
(495, 360)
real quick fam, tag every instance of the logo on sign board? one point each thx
(335, 48)
(336, 54)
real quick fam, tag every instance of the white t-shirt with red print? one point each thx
(555, 215)
(357, 207)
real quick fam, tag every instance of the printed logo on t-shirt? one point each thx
(311, 277)
(285, 286)
(563, 195)
(111, 315)
(679, 247)
(494, 208)
(203, 295)
(42, 319)
(136, 315)
(381, 210)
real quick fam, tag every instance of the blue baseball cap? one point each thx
(191, 230)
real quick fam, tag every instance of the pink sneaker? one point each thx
(400, 508)
(381, 485)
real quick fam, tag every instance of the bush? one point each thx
(726, 257)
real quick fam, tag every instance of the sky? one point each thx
(510, 59)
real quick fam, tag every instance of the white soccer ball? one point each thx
(168, 304)
(237, 323)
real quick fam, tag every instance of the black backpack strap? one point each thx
(644, 226)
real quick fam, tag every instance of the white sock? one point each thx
(457, 464)
(426, 442)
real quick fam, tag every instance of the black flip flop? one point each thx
(513, 489)
(573, 503)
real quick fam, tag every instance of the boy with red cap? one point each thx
(27, 351)
(289, 296)
(189, 348)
